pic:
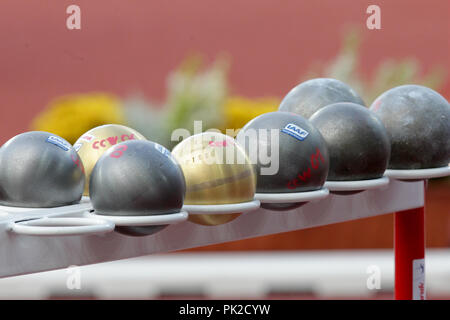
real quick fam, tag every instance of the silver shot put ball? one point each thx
(357, 141)
(309, 96)
(417, 120)
(137, 178)
(289, 154)
(40, 169)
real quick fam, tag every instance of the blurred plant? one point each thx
(239, 110)
(72, 115)
(388, 74)
(194, 92)
(147, 117)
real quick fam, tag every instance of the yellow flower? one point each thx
(239, 110)
(72, 115)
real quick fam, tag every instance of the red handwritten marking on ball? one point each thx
(315, 160)
(118, 151)
(112, 141)
(87, 137)
(377, 105)
(223, 143)
(77, 162)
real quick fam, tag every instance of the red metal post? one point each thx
(409, 244)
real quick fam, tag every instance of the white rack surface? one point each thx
(21, 254)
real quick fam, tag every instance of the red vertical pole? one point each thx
(409, 244)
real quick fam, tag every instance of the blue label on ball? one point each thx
(163, 150)
(295, 131)
(77, 146)
(57, 141)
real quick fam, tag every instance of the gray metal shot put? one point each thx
(417, 120)
(137, 178)
(309, 96)
(289, 154)
(357, 141)
(40, 169)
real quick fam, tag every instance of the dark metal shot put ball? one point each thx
(357, 141)
(137, 178)
(417, 120)
(40, 169)
(303, 159)
(309, 96)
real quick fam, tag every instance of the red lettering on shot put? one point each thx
(223, 143)
(305, 176)
(118, 151)
(128, 137)
(96, 144)
(77, 162)
(292, 184)
(315, 160)
(112, 140)
(377, 105)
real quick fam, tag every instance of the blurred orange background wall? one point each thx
(127, 46)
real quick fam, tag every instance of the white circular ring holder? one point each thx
(418, 174)
(61, 226)
(70, 209)
(356, 185)
(222, 208)
(149, 220)
(292, 197)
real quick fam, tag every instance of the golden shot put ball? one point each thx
(94, 143)
(217, 171)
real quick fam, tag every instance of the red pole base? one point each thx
(409, 244)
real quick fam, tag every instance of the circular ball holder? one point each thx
(61, 226)
(215, 209)
(309, 96)
(418, 174)
(143, 221)
(220, 180)
(356, 186)
(59, 221)
(139, 186)
(95, 142)
(290, 200)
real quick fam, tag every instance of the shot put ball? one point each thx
(40, 169)
(417, 120)
(137, 178)
(357, 141)
(309, 96)
(92, 144)
(289, 153)
(217, 172)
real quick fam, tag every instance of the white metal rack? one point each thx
(22, 254)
